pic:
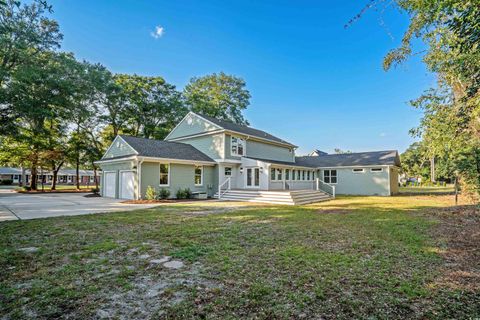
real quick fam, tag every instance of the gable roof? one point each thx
(372, 158)
(9, 170)
(165, 149)
(230, 126)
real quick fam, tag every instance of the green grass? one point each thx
(427, 190)
(62, 187)
(354, 257)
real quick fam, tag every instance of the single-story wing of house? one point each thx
(217, 158)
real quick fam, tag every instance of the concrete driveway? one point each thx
(16, 206)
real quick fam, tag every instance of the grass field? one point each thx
(62, 187)
(406, 257)
(428, 190)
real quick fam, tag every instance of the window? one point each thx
(91, 178)
(293, 174)
(198, 175)
(279, 174)
(272, 174)
(330, 176)
(298, 175)
(164, 174)
(376, 169)
(237, 146)
(313, 175)
(308, 175)
(287, 174)
(228, 171)
(303, 174)
(358, 170)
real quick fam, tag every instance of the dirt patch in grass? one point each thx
(458, 232)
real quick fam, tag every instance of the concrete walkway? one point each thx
(16, 206)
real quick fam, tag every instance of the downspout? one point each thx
(389, 182)
(139, 179)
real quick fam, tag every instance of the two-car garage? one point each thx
(124, 189)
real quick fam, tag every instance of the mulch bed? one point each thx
(162, 201)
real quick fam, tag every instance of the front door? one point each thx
(253, 177)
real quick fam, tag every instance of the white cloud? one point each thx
(158, 32)
(383, 134)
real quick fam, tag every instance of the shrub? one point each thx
(188, 193)
(6, 182)
(180, 194)
(150, 194)
(184, 193)
(27, 188)
(164, 193)
(95, 190)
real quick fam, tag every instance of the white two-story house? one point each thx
(219, 158)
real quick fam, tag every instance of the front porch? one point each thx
(272, 182)
(287, 197)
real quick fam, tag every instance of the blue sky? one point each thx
(313, 82)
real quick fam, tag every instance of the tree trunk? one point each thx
(95, 177)
(77, 158)
(42, 177)
(456, 190)
(23, 181)
(55, 170)
(33, 177)
(77, 172)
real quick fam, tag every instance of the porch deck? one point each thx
(288, 197)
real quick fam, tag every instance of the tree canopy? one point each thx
(450, 127)
(56, 110)
(220, 96)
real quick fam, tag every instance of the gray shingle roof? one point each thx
(165, 149)
(8, 170)
(61, 172)
(388, 157)
(227, 125)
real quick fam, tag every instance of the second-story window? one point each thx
(237, 146)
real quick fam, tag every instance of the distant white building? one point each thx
(65, 176)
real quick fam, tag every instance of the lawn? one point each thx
(353, 257)
(61, 187)
(448, 189)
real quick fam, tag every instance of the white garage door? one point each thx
(110, 181)
(126, 185)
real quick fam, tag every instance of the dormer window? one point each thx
(237, 146)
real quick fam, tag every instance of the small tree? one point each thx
(150, 193)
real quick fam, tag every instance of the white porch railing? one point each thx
(328, 188)
(226, 185)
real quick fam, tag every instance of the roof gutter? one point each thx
(169, 160)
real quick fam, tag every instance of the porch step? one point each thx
(292, 197)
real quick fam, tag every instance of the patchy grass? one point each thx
(448, 189)
(354, 257)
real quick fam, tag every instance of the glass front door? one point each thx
(253, 177)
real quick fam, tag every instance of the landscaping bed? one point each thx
(144, 201)
(352, 257)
